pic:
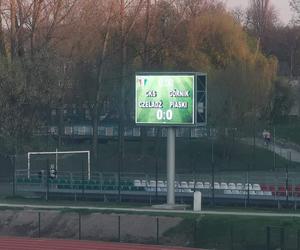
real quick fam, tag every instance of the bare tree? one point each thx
(261, 17)
(3, 52)
(295, 6)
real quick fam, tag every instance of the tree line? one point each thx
(54, 52)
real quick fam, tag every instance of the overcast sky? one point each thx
(282, 6)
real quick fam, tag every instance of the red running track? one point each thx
(18, 243)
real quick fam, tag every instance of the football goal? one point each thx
(56, 154)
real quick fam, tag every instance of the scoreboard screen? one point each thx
(165, 99)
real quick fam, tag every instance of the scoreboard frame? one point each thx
(200, 93)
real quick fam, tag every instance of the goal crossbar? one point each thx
(56, 153)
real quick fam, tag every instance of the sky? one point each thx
(282, 6)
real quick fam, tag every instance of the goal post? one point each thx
(56, 153)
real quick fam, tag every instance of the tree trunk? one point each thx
(99, 93)
(2, 42)
(60, 125)
(145, 63)
(13, 37)
(122, 97)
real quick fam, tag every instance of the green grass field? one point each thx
(289, 130)
(192, 156)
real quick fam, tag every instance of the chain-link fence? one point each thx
(209, 232)
(244, 188)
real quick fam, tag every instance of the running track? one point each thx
(18, 243)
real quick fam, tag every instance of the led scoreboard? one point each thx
(166, 99)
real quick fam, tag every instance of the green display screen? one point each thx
(165, 99)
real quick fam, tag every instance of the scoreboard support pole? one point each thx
(171, 166)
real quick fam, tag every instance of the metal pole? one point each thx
(195, 232)
(171, 166)
(213, 173)
(156, 178)
(274, 151)
(157, 150)
(56, 160)
(119, 181)
(282, 239)
(298, 239)
(254, 146)
(89, 166)
(248, 189)
(82, 179)
(39, 224)
(287, 185)
(268, 237)
(119, 228)
(157, 230)
(14, 174)
(79, 226)
(231, 237)
(47, 180)
(28, 165)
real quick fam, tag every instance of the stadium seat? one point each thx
(231, 186)
(191, 184)
(184, 187)
(151, 186)
(297, 190)
(93, 185)
(161, 184)
(259, 192)
(152, 183)
(235, 191)
(223, 185)
(248, 186)
(183, 184)
(252, 192)
(206, 185)
(143, 183)
(217, 185)
(256, 187)
(239, 186)
(267, 189)
(272, 189)
(267, 193)
(137, 183)
(199, 185)
(227, 191)
(20, 180)
(126, 185)
(280, 191)
(264, 187)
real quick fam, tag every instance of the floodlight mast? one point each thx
(56, 159)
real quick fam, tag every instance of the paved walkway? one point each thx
(285, 152)
(152, 210)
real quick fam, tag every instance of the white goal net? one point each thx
(61, 160)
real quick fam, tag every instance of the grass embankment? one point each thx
(289, 131)
(236, 232)
(205, 231)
